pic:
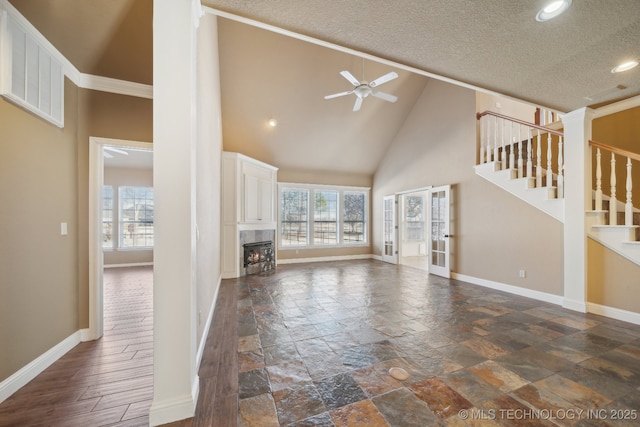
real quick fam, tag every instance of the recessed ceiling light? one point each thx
(273, 123)
(625, 67)
(552, 9)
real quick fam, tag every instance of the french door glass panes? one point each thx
(439, 222)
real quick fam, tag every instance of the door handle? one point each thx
(448, 235)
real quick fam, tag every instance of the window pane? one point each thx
(414, 218)
(136, 217)
(293, 227)
(354, 230)
(107, 217)
(325, 217)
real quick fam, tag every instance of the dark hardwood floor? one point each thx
(103, 382)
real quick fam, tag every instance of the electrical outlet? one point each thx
(523, 274)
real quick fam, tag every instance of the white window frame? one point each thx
(312, 188)
(121, 246)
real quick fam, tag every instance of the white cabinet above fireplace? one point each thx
(249, 190)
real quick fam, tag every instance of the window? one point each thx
(325, 217)
(136, 217)
(353, 223)
(337, 216)
(414, 218)
(107, 217)
(293, 223)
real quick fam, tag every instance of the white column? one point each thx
(175, 382)
(577, 200)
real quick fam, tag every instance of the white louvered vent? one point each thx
(30, 76)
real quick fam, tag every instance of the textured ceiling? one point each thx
(492, 44)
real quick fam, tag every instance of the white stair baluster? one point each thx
(512, 153)
(560, 172)
(613, 202)
(482, 157)
(549, 156)
(598, 180)
(628, 207)
(529, 151)
(495, 139)
(520, 160)
(503, 157)
(539, 161)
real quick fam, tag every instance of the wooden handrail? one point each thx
(620, 151)
(522, 122)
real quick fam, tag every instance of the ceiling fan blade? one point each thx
(358, 104)
(116, 150)
(335, 95)
(385, 96)
(347, 75)
(383, 79)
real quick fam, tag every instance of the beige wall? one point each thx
(495, 234)
(44, 182)
(208, 167)
(38, 266)
(613, 279)
(117, 177)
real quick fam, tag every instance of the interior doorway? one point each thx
(413, 249)
(101, 149)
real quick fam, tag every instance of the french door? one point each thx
(390, 230)
(439, 222)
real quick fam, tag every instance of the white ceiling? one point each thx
(135, 159)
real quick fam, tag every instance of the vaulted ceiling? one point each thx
(494, 45)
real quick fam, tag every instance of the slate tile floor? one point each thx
(316, 342)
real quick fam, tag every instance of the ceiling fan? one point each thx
(362, 89)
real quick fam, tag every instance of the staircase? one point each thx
(527, 161)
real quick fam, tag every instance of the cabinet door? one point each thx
(252, 211)
(266, 201)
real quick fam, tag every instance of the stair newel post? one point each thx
(598, 180)
(549, 156)
(520, 160)
(560, 170)
(495, 139)
(613, 202)
(503, 158)
(512, 153)
(529, 151)
(628, 207)
(539, 161)
(482, 157)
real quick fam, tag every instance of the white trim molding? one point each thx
(516, 290)
(207, 325)
(614, 313)
(39, 364)
(175, 409)
(132, 264)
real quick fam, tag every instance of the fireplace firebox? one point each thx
(259, 257)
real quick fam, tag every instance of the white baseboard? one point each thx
(517, 290)
(323, 259)
(85, 335)
(132, 264)
(207, 326)
(579, 306)
(176, 409)
(614, 313)
(36, 366)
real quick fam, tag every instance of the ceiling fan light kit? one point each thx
(362, 89)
